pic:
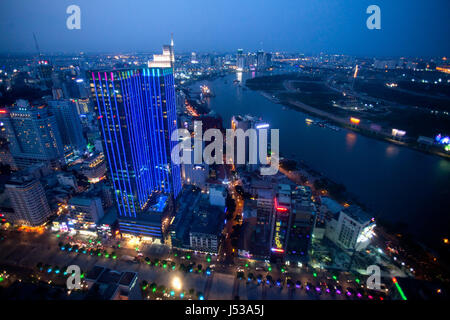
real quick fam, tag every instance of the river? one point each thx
(398, 184)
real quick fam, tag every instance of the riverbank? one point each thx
(404, 249)
(281, 90)
(359, 129)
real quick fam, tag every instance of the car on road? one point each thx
(350, 292)
(338, 290)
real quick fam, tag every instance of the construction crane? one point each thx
(37, 46)
(39, 73)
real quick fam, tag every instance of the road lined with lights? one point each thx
(214, 283)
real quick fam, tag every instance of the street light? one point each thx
(176, 283)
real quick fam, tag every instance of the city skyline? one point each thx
(266, 173)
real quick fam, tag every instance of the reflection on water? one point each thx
(444, 167)
(391, 150)
(239, 76)
(350, 140)
(238, 86)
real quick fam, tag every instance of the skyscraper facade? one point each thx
(136, 112)
(28, 201)
(281, 221)
(68, 122)
(32, 133)
(293, 220)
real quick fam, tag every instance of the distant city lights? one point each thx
(355, 120)
(262, 126)
(398, 133)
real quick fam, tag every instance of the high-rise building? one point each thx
(68, 122)
(32, 133)
(180, 101)
(281, 221)
(192, 173)
(86, 210)
(351, 229)
(44, 72)
(166, 59)
(264, 201)
(268, 59)
(136, 113)
(6, 157)
(240, 60)
(194, 58)
(83, 106)
(252, 143)
(303, 219)
(28, 200)
(195, 174)
(293, 222)
(263, 60)
(94, 168)
(206, 227)
(217, 195)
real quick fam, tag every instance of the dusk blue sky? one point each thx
(409, 27)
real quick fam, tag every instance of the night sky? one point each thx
(408, 27)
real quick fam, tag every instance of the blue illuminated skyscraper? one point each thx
(136, 114)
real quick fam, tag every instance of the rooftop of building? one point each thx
(357, 214)
(127, 278)
(81, 201)
(256, 181)
(218, 187)
(252, 240)
(186, 201)
(101, 291)
(110, 216)
(250, 209)
(110, 276)
(107, 282)
(303, 191)
(159, 203)
(127, 69)
(304, 206)
(208, 219)
(332, 205)
(19, 180)
(265, 193)
(157, 208)
(94, 273)
(283, 187)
